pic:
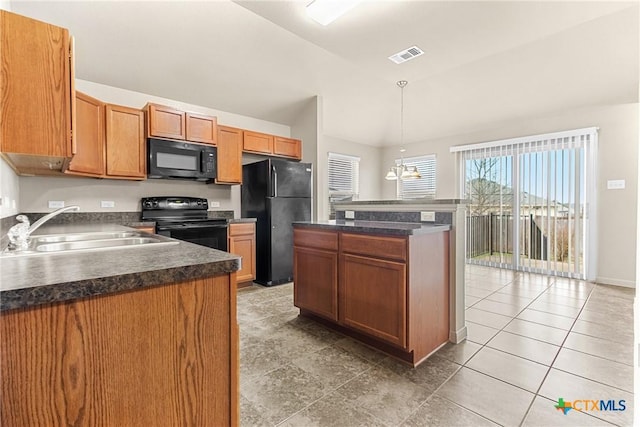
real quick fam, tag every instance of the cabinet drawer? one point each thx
(241, 229)
(315, 239)
(375, 246)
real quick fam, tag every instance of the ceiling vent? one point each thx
(406, 55)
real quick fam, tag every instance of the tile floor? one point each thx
(532, 339)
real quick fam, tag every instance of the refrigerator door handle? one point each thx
(274, 181)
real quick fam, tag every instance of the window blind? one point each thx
(424, 187)
(344, 173)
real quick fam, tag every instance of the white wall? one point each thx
(370, 170)
(617, 159)
(34, 192)
(9, 190)
(306, 127)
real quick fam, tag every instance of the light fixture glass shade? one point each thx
(413, 173)
(326, 11)
(405, 173)
(391, 175)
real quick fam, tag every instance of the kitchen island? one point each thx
(138, 336)
(385, 283)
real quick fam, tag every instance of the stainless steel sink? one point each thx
(94, 241)
(83, 236)
(93, 244)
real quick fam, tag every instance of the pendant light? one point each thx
(402, 171)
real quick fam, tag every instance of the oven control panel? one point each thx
(174, 203)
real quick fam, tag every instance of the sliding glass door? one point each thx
(530, 200)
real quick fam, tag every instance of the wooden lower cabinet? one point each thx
(163, 355)
(373, 297)
(242, 241)
(393, 292)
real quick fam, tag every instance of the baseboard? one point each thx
(458, 336)
(616, 282)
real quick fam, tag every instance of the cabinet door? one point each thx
(255, 142)
(89, 134)
(35, 86)
(245, 246)
(229, 164)
(166, 122)
(287, 147)
(315, 277)
(125, 142)
(373, 297)
(201, 128)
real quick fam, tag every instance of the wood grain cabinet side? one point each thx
(165, 122)
(242, 241)
(315, 272)
(89, 159)
(36, 92)
(126, 149)
(229, 156)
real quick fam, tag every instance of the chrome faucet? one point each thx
(19, 234)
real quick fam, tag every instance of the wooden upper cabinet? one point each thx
(166, 122)
(229, 162)
(255, 142)
(89, 128)
(202, 128)
(126, 150)
(35, 88)
(287, 147)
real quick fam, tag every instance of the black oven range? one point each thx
(185, 218)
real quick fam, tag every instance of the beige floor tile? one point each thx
(479, 333)
(561, 300)
(581, 294)
(509, 368)
(511, 299)
(458, 353)
(333, 410)
(548, 319)
(595, 368)
(469, 300)
(537, 331)
(599, 347)
(570, 387)
(483, 284)
(476, 292)
(616, 320)
(544, 414)
(430, 375)
(480, 394)
(557, 309)
(527, 348)
(486, 318)
(615, 291)
(438, 411)
(599, 330)
(520, 291)
(498, 308)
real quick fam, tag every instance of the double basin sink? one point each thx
(59, 243)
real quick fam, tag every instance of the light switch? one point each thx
(616, 184)
(107, 204)
(428, 216)
(213, 204)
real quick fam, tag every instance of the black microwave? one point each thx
(181, 160)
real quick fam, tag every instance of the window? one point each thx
(424, 187)
(343, 180)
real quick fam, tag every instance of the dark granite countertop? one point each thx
(376, 227)
(39, 279)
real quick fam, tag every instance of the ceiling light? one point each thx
(326, 11)
(406, 55)
(401, 170)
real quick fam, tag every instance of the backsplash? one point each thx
(440, 217)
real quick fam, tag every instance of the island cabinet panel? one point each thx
(315, 272)
(202, 128)
(229, 156)
(165, 355)
(375, 246)
(166, 122)
(126, 150)
(373, 297)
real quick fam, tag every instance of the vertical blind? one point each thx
(425, 187)
(344, 175)
(532, 202)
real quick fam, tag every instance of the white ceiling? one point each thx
(484, 62)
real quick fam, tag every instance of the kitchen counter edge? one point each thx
(376, 227)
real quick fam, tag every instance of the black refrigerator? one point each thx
(275, 192)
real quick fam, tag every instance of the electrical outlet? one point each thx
(428, 216)
(349, 214)
(213, 204)
(56, 204)
(616, 184)
(107, 204)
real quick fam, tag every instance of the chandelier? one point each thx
(401, 170)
